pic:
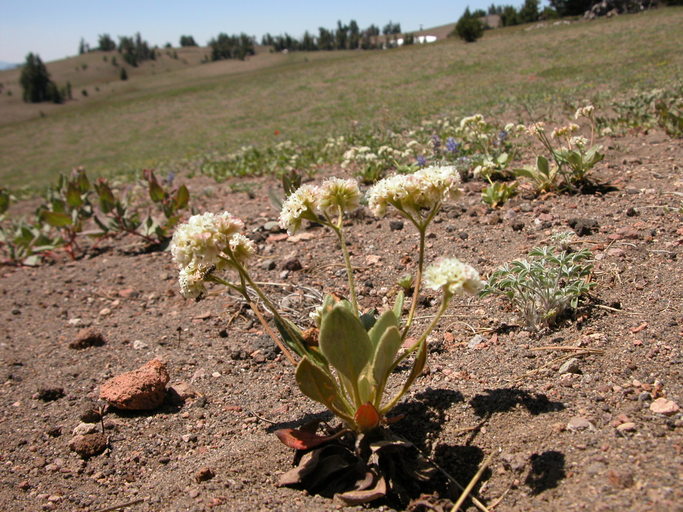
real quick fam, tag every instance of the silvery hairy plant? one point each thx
(545, 285)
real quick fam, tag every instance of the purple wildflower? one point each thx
(421, 160)
(451, 145)
(436, 142)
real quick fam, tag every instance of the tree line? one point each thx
(343, 37)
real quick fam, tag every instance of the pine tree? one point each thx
(469, 28)
(36, 83)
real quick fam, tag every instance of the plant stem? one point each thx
(347, 261)
(418, 280)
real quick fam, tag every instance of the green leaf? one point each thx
(543, 165)
(182, 197)
(387, 320)
(292, 336)
(73, 195)
(344, 343)
(56, 219)
(317, 385)
(398, 306)
(4, 200)
(385, 354)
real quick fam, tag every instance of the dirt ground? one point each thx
(554, 436)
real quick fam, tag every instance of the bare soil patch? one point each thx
(560, 438)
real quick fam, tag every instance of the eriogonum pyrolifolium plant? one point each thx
(347, 363)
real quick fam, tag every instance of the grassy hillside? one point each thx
(179, 109)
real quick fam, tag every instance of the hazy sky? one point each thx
(53, 28)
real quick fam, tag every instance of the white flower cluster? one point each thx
(423, 189)
(536, 128)
(453, 276)
(564, 131)
(334, 196)
(204, 243)
(586, 111)
(579, 142)
(364, 155)
(475, 121)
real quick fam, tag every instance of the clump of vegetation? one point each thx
(544, 286)
(658, 108)
(74, 208)
(469, 28)
(345, 360)
(36, 83)
(570, 163)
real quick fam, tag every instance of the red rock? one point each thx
(664, 406)
(88, 445)
(141, 389)
(87, 337)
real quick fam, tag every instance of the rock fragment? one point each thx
(88, 445)
(664, 406)
(87, 337)
(138, 390)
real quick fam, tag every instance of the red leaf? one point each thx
(302, 440)
(367, 417)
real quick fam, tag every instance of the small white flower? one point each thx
(586, 111)
(424, 189)
(202, 238)
(338, 194)
(453, 276)
(300, 205)
(536, 128)
(241, 248)
(578, 141)
(191, 281)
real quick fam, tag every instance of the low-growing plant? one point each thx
(118, 216)
(23, 243)
(498, 193)
(544, 286)
(662, 107)
(170, 200)
(68, 208)
(346, 360)
(569, 164)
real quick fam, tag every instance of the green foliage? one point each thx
(67, 207)
(661, 108)
(123, 74)
(544, 286)
(24, 243)
(231, 47)
(469, 28)
(171, 200)
(36, 83)
(543, 175)
(135, 50)
(186, 41)
(498, 193)
(105, 43)
(528, 13)
(571, 7)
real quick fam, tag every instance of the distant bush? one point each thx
(187, 41)
(36, 83)
(571, 7)
(123, 75)
(105, 43)
(469, 28)
(135, 50)
(231, 47)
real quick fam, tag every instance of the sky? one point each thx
(53, 29)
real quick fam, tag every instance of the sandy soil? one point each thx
(555, 435)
